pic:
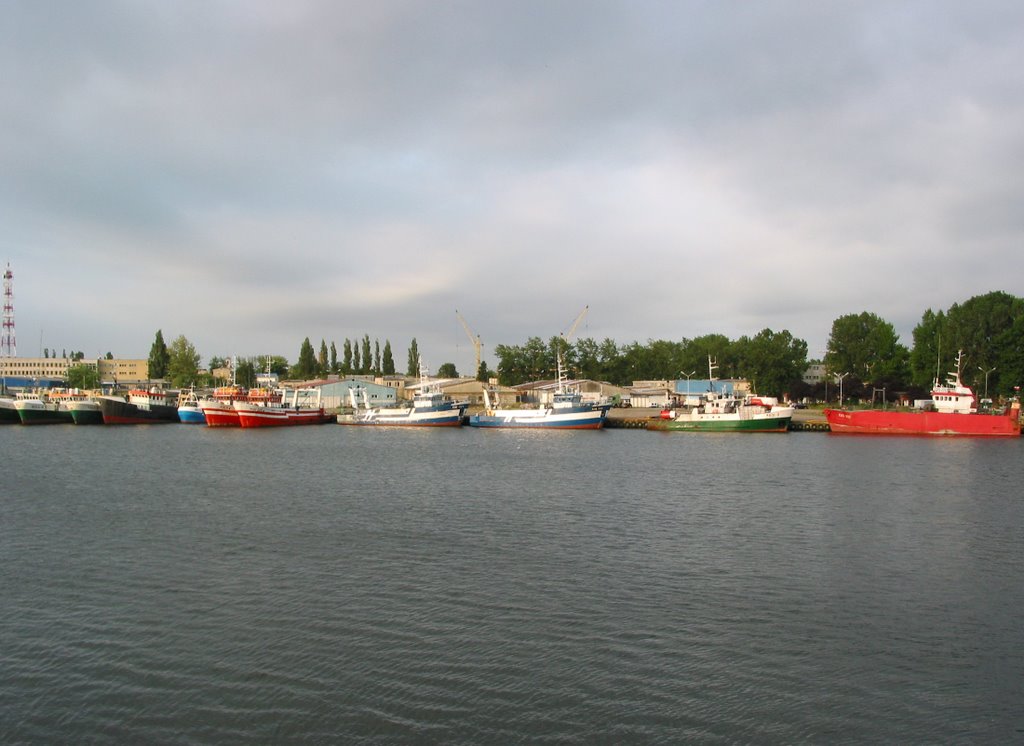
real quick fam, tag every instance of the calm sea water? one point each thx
(176, 584)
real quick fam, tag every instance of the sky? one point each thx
(249, 174)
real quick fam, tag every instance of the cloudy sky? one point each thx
(251, 173)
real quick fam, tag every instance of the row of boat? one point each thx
(952, 410)
(226, 407)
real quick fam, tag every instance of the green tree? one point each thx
(413, 367)
(447, 370)
(387, 365)
(868, 349)
(376, 357)
(183, 362)
(109, 356)
(322, 360)
(306, 366)
(245, 372)
(482, 374)
(159, 358)
(83, 377)
(365, 351)
(346, 364)
(334, 358)
(772, 361)
(928, 336)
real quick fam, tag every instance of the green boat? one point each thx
(717, 412)
(40, 409)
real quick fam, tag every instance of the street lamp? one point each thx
(687, 375)
(986, 378)
(841, 376)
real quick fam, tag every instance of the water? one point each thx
(178, 584)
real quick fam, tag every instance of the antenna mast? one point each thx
(8, 346)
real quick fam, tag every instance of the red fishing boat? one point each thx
(302, 408)
(952, 411)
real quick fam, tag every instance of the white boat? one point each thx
(189, 409)
(428, 408)
(567, 411)
(717, 412)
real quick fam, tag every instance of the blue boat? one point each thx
(189, 410)
(568, 411)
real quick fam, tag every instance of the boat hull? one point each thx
(191, 415)
(256, 416)
(38, 413)
(8, 414)
(580, 420)
(758, 425)
(86, 413)
(451, 416)
(219, 414)
(116, 411)
(885, 422)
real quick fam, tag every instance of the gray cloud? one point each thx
(248, 175)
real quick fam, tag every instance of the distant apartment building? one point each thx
(814, 374)
(110, 372)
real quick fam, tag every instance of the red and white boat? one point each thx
(219, 409)
(952, 411)
(298, 409)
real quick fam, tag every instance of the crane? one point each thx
(567, 336)
(474, 338)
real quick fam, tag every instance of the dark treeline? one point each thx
(863, 349)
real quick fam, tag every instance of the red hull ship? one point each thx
(220, 411)
(952, 411)
(281, 413)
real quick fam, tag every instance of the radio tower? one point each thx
(8, 348)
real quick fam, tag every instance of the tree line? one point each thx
(862, 348)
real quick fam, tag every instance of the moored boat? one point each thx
(567, 411)
(302, 409)
(41, 409)
(725, 413)
(139, 407)
(952, 411)
(218, 408)
(428, 408)
(189, 410)
(717, 412)
(8, 413)
(85, 412)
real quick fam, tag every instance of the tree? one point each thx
(306, 366)
(387, 365)
(868, 349)
(334, 358)
(183, 362)
(376, 356)
(109, 356)
(772, 361)
(414, 359)
(482, 374)
(245, 373)
(356, 366)
(83, 377)
(159, 358)
(346, 363)
(447, 370)
(367, 359)
(322, 360)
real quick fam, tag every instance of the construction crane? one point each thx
(567, 336)
(474, 338)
